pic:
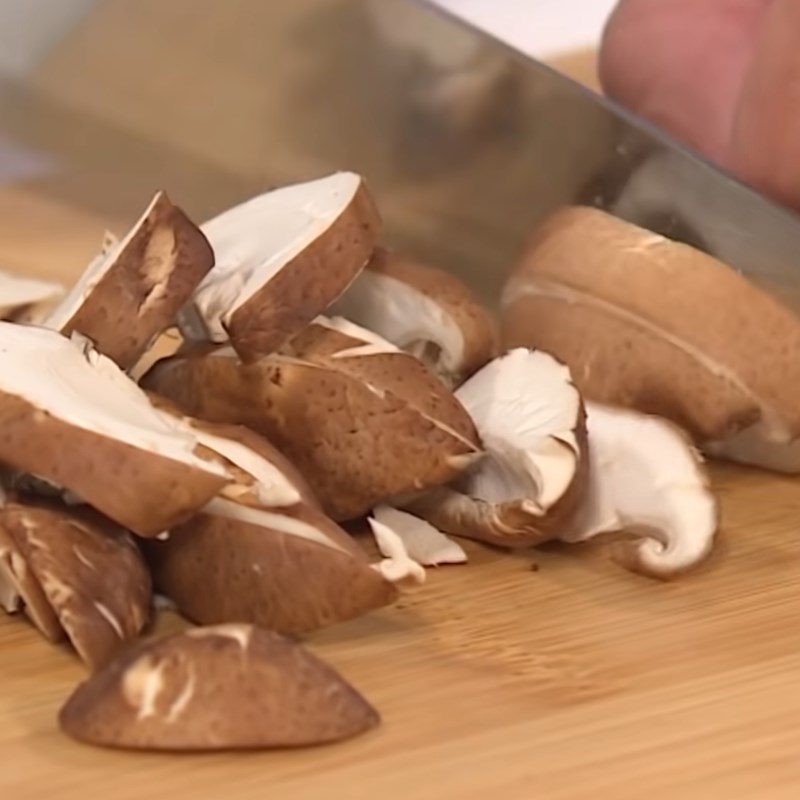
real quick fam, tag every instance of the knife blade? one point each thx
(582, 147)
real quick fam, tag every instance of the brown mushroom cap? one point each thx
(649, 323)
(362, 422)
(132, 291)
(262, 475)
(288, 569)
(77, 421)
(20, 589)
(423, 310)
(89, 570)
(282, 258)
(263, 552)
(216, 688)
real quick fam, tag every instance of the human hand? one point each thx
(721, 75)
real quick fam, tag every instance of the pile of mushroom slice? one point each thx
(111, 491)
(319, 380)
(657, 326)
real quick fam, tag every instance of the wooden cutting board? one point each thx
(551, 675)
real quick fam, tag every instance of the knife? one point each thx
(564, 143)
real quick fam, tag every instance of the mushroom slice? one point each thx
(361, 420)
(89, 571)
(397, 566)
(422, 542)
(262, 476)
(70, 416)
(263, 551)
(648, 323)
(282, 258)
(288, 569)
(10, 598)
(216, 688)
(133, 290)
(423, 310)
(531, 421)
(22, 297)
(20, 589)
(646, 478)
(754, 446)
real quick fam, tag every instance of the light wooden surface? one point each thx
(578, 680)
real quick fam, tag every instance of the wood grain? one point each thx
(570, 681)
(495, 679)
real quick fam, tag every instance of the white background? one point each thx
(541, 27)
(538, 27)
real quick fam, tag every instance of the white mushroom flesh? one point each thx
(86, 390)
(403, 315)
(526, 411)
(645, 477)
(253, 241)
(274, 489)
(374, 344)
(396, 566)
(273, 520)
(423, 543)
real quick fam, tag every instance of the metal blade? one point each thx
(576, 146)
(464, 141)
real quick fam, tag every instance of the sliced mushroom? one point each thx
(20, 590)
(646, 478)
(264, 552)
(422, 542)
(216, 688)
(10, 599)
(397, 566)
(754, 446)
(649, 323)
(89, 571)
(531, 420)
(132, 291)
(262, 476)
(21, 297)
(282, 258)
(423, 310)
(362, 421)
(70, 416)
(289, 569)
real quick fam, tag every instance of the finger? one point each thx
(765, 146)
(681, 64)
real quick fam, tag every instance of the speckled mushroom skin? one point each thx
(151, 278)
(655, 325)
(142, 491)
(305, 286)
(218, 569)
(215, 688)
(360, 428)
(89, 570)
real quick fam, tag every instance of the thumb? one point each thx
(765, 145)
(681, 64)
